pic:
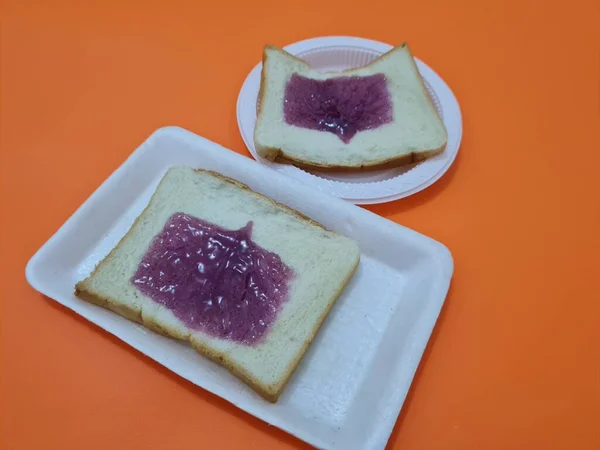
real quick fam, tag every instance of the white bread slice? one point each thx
(415, 133)
(323, 262)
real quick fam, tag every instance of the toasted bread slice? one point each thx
(322, 262)
(292, 119)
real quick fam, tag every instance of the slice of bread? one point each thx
(322, 262)
(413, 132)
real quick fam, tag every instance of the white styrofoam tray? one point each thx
(348, 389)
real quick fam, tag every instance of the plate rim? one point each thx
(249, 85)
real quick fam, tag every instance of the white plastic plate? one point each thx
(349, 387)
(340, 53)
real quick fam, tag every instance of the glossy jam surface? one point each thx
(342, 105)
(215, 280)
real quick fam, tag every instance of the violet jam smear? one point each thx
(342, 105)
(215, 280)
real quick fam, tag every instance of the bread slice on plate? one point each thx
(245, 280)
(375, 116)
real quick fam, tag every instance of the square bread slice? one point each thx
(411, 132)
(322, 261)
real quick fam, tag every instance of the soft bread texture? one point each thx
(416, 132)
(323, 262)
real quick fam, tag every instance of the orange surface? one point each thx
(515, 359)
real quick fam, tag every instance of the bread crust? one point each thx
(277, 154)
(391, 163)
(271, 392)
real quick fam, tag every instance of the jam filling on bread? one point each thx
(214, 280)
(341, 105)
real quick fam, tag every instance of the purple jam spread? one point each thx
(342, 105)
(215, 280)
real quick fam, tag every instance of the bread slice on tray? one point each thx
(375, 116)
(245, 280)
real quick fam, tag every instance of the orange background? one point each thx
(515, 359)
